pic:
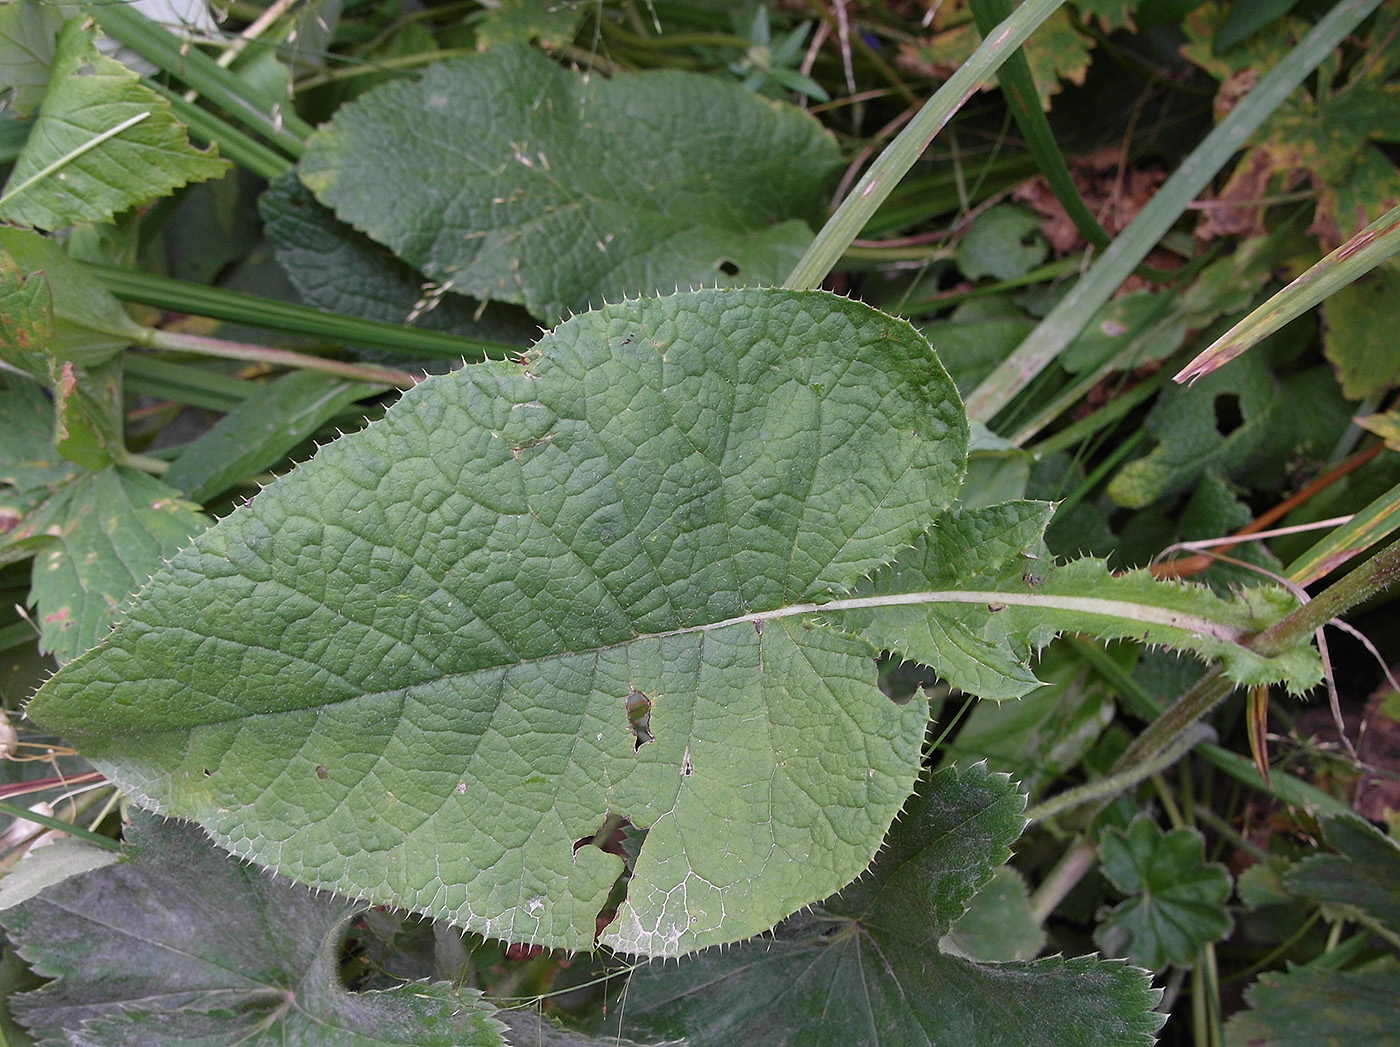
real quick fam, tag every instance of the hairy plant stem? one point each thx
(1165, 734)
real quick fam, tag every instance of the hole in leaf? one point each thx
(639, 717)
(901, 680)
(728, 267)
(1228, 416)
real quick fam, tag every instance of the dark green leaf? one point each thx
(511, 179)
(1311, 1006)
(1364, 875)
(336, 269)
(864, 967)
(180, 944)
(259, 432)
(1176, 900)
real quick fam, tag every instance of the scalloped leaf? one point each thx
(508, 178)
(178, 944)
(865, 966)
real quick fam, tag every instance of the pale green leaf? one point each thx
(1311, 1006)
(42, 867)
(1176, 900)
(404, 671)
(998, 925)
(74, 168)
(89, 325)
(865, 968)
(28, 30)
(505, 177)
(976, 596)
(179, 944)
(30, 467)
(96, 540)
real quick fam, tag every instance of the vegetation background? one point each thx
(236, 233)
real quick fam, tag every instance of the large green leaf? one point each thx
(181, 945)
(865, 968)
(103, 142)
(405, 670)
(506, 177)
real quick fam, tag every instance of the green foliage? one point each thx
(73, 168)
(178, 943)
(639, 640)
(867, 963)
(1313, 1005)
(1176, 900)
(536, 197)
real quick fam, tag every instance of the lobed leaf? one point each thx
(510, 179)
(405, 670)
(865, 966)
(1176, 900)
(178, 944)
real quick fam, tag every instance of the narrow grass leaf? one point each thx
(1068, 318)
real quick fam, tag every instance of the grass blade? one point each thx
(1348, 263)
(894, 163)
(1075, 310)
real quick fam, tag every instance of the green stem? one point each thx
(170, 341)
(894, 163)
(242, 149)
(15, 810)
(192, 66)
(236, 307)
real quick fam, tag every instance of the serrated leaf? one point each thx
(259, 432)
(404, 671)
(30, 468)
(1308, 1006)
(96, 540)
(1364, 876)
(1176, 900)
(1045, 733)
(181, 944)
(511, 179)
(102, 143)
(864, 967)
(974, 598)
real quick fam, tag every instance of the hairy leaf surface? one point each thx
(506, 177)
(865, 966)
(405, 671)
(179, 944)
